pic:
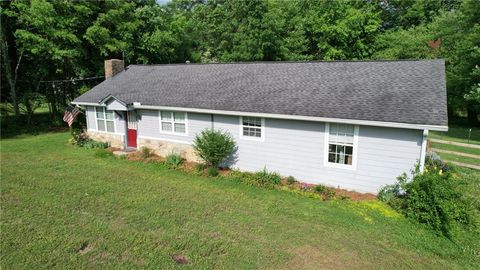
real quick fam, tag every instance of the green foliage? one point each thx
(174, 160)
(262, 178)
(320, 188)
(458, 34)
(89, 144)
(146, 152)
(70, 39)
(81, 139)
(291, 180)
(328, 193)
(212, 171)
(199, 167)
(102, 153)
(214, 146)
(432, 198)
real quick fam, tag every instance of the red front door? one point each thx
(131, 129)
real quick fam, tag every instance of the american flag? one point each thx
(70, 114)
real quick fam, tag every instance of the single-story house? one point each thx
(350, 124)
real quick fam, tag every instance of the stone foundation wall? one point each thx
(115, 140)
(164, 148)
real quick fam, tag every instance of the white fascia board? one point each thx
(298, 117)
(88, 104)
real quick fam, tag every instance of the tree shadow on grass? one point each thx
(39, 123)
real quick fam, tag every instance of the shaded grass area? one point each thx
(39, 123)
(62, 205)
(458, 134)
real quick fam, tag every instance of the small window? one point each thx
(341, 142)
(252, 127)
(105, 120)
(174, 122)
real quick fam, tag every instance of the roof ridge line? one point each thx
(296, 62)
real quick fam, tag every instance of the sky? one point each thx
(161, 2)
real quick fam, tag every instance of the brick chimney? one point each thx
(112, 67)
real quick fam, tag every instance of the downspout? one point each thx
(423, 152)
(212, 120)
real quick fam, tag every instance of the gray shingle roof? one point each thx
(411, 92)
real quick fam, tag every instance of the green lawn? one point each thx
(458, 134)
(451, 157)
(456, 148)
(56, 198)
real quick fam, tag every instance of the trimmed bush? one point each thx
(174, 160)
(291, 180)
(214, 146)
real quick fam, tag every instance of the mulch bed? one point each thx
(191, 167)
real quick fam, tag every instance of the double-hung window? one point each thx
(173, 122)
(342, 140)
(252, 127)
(105, 120)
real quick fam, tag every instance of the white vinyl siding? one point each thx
(105, 120)
(298, 148)
(173, 122)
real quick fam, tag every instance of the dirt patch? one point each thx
(112, 149)
(309, 257)
(189, 166)
(224, 171)
(138, 156)
(85, 248)
(355, 196)
(180, 259)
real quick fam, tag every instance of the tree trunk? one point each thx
(11, 78)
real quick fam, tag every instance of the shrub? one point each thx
(431, 198)
(199, 167)
(320, 188)
(212, 171)
(291, 180)
(146, 152)
(214, 146)
(89, 144)
(328, 193)
(260, 179)
(267, 179)
(78, 137)
(174, 160)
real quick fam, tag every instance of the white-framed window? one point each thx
(173, 122)
(252, 128)
(105, 120)
(341, 142)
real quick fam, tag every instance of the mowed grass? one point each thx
(56, 199)
(456, 148)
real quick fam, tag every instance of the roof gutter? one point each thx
(136, 105)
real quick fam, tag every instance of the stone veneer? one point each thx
(115, 140)
(164, 148)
